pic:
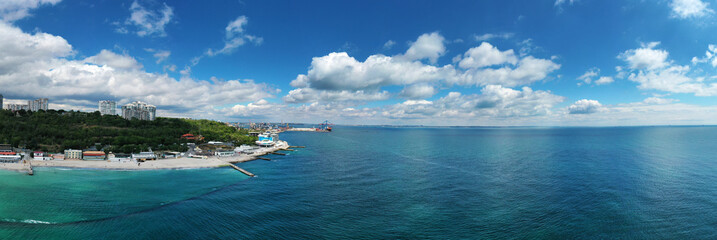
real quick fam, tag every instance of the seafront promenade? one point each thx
(174, 163)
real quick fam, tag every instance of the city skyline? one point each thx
(556, 63)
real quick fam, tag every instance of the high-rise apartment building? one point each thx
(139, 110)
(108, 107)
(1, 106)
(38, 104)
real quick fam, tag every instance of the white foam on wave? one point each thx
(31, 221)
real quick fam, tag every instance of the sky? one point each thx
(445, 63)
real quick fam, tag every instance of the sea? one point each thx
(397, 183)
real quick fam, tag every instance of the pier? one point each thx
(242, 170)
(296, 147)
(263, 158)
(278, 153)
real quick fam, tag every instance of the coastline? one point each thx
(161, 164)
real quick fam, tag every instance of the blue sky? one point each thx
(564, 62)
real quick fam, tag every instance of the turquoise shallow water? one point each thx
(378, 183)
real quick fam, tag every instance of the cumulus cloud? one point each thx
(646, 57)
(527, 70)
(585, 106)
(418, 91)
(338, 74)
(494, 101)
(428, 46)
(304, 95)
(148, 22)
(12, 10)
(689, 8)
(487, 55)
(47, 63)
(651, 69)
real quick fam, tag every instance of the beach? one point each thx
(172, 163)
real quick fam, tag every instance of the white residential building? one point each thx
(38, 104)
(108, 107)
(139, 110)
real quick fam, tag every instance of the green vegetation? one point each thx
(56, 131)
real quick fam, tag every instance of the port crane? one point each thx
(326, 126)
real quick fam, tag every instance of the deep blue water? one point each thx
(407, 183)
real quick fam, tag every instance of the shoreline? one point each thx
(160, 164)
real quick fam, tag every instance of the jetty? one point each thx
(278, 153)
(242, 170)
(263, 158)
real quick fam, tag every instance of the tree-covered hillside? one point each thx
(58, 130)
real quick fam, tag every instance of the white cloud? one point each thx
(487, 55)
(689, 8)
(418, 91)
(493, 102)
(657, 73)
(389, 44)
(304, 95)
(528, 70)
(646, 57)
(427, 46)
(482, 65)
(585, 106)
(160, 55)
(604, 80)
(588, 76)
(148, 22)
(710, 56)
(11, 10)
(113, 60)
(559, 3)
(489, 36)
(44, 64)
(657, 100)
(234, 38)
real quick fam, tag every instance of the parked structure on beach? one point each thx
(108, 107)
(139, 110)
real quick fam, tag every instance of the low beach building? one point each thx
(40, 156)
(10, 157)
(93, 156)
(171, 154)
(144, 156)
(71, 154)
(119, 157)
(221, 153)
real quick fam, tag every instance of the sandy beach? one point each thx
(174, 163)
